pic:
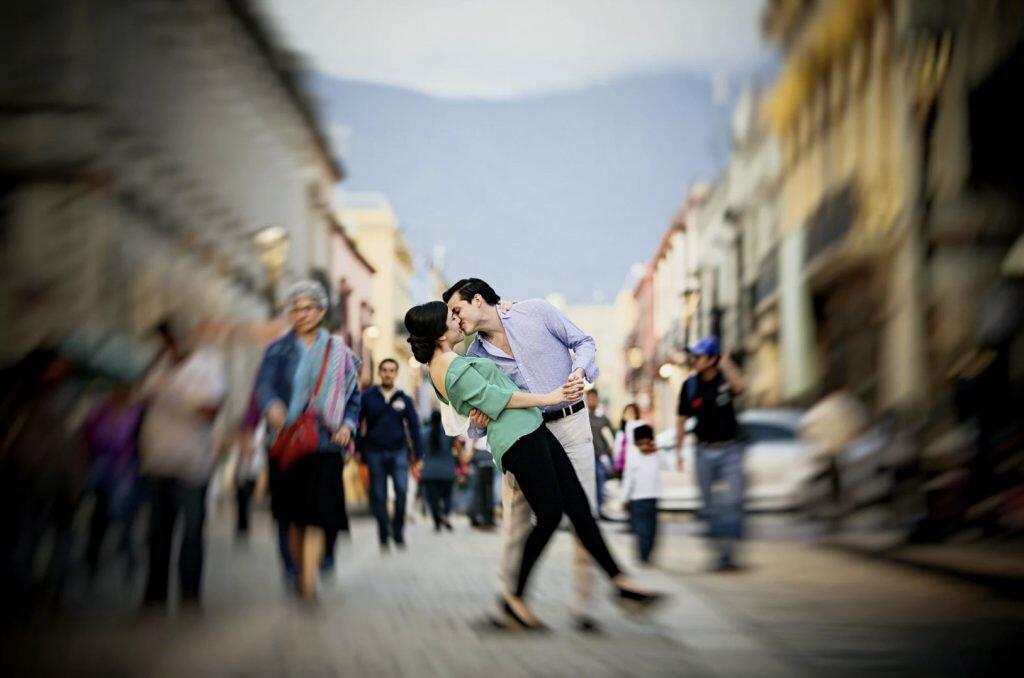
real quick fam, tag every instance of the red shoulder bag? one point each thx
(301, 437)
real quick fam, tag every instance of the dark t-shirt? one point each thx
(711, 403)
(598, 424)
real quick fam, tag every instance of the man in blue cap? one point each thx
(708, 396)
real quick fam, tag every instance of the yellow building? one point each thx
(900, 189)
(849, 313)
(379, 238)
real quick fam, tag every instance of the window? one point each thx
(766, 433)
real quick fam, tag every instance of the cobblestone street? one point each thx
(798, 610)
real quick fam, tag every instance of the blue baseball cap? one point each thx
(705, 346)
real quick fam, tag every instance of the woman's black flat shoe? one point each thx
(520, 621)
(638, 600)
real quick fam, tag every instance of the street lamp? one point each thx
(635, 356)
(371, 332)
(666, 370)
(269, 236)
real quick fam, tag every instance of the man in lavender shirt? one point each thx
(539, 349)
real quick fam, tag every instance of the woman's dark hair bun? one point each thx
(422, 348)
(426, 324)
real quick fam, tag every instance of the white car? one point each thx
(776, 465)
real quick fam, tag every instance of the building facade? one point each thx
(351, 277)
(897, 199)
(609, 325)
(378, 235)
(179, 169)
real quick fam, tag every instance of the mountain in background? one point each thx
(555, 193)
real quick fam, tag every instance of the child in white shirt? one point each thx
(641, 485)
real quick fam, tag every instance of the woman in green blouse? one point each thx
(521, 445)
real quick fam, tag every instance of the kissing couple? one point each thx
(519, 381)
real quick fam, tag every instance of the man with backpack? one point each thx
(708, 397)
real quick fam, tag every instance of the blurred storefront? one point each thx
(352, 278)
(897, 183)
(837, 113)
(377, 233)
(641, 346)
(181, 170)
(669, 283)
(900, 202)
(609, 324)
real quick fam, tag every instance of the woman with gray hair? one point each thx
(308, 497)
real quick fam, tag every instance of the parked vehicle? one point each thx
(777, 463)
(863, 473)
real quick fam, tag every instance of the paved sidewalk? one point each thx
(798, 611)
(998, 563)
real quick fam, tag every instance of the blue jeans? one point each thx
(643, 521)
(720, 477)
(382, 464)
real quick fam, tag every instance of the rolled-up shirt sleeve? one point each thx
(584, 348)
(470, 389)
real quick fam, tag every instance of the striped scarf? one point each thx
(341, 381)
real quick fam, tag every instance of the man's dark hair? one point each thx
(388, 360)
(642, 432)
(593, 390)
(468, 288)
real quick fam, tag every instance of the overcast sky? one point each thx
(501, 49)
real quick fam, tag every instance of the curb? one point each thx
(978, 565)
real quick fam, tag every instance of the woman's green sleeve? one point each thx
(473, 390)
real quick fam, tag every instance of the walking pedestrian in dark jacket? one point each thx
(388, 426)
(437, 472)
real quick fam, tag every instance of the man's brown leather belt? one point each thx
(555, 415)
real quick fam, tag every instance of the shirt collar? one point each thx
(492, 349)
(487, 346)
(395, 392)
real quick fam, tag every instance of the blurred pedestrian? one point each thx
(112, 436)
(641, 488)
(520, 444)
(389, 441)
(184, 389)
(273, 390)
(249, 464)
(601, 432)
(42, 474)
(437, 473)
(462, 499)
(311, 497)
(481, 513)
(629, 413)
(708, 397)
